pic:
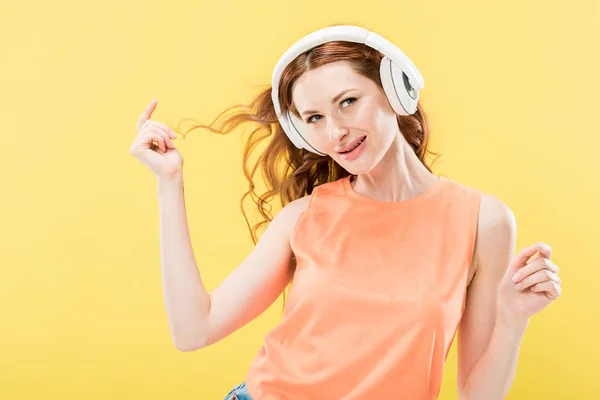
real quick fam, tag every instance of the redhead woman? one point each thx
(385, 261)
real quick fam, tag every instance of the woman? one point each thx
(388, 260)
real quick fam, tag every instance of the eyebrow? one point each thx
(336, 98)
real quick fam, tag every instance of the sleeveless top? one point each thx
(376, 298)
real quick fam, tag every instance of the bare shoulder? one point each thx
(292, 211)
(494, 216)
(298, 206)
(283, 223)
(496, 229)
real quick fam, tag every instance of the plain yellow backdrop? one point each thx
(511, 89)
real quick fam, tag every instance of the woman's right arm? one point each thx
(197, 318)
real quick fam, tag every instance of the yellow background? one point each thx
(512, 92)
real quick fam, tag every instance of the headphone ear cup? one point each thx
(402, 96)
(294, 129)
(299, 133)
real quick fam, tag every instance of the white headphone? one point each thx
(400, 78)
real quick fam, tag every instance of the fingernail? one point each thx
(519, 286)
(542, 246)
(516, 277)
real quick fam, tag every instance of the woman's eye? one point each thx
(310, 119)
(349, 98)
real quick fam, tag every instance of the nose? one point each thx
(336, 129)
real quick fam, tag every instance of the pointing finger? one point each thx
(146, 114)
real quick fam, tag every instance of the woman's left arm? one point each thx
(497, 311)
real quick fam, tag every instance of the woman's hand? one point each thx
(528, 286)
(163, 159)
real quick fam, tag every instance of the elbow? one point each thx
(187, 349)
(191, 338)
(189, 344)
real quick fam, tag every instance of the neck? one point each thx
(399, 176)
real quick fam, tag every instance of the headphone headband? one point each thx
(347, 33)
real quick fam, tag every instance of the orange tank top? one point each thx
(377, 295)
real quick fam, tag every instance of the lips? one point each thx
(351, 145)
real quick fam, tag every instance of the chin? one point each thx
(356, 167)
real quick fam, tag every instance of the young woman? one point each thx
(387, 260)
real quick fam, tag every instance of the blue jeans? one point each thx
(239, 393)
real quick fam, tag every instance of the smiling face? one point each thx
(359, 115)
